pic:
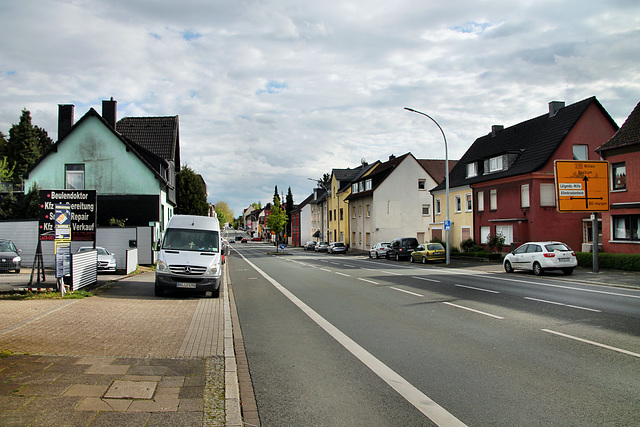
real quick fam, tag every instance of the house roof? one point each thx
(160, 135)
(628, 134)
(436, 168)
(378, 175)
(346, 176)
(149, 159)
(530, 144)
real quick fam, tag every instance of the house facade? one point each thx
(511, 172)
(317, 211)
(621, 224)
(133, 183)
(301, 222)
(392, 201)
(460, 214)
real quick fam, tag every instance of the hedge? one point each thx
(629, 262)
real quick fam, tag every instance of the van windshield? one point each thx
(179, 239)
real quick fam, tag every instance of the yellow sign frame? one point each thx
(582, 186)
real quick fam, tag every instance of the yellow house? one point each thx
(337, 207)
(460, 214)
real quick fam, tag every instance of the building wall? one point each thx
(461, 222)
(305, 224)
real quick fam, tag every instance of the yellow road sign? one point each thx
(582, 186)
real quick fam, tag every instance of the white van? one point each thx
(190, 256)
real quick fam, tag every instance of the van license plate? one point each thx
(187, 285)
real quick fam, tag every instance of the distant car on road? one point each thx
(309, 246)
(9, 256)
(256, 239)
(402, 248)
(106, 260)
(541, 256)
(379, 250)
(428, 252)
(243, 240)
(321, 247)
(337, 248)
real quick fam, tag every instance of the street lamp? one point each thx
(447, 224)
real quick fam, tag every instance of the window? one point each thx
(626, 227)
(580, 152)
(495, 164)
(422, 184)
(493, 200)
(484, 234)
(74, 175)
(368, 209)
(619, 175)
(353, 212)
(330, 215)
(335, 217)
(547, 194)
(426, 210)
(341, 214)
(354, 188)
(469, 202)
(472, 170)
(438, 207)
(507, 232)
(359, 210)
(524, 196)
(480, 201)
(458, 203)
(368, 185)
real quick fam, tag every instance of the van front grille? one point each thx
(190, 270)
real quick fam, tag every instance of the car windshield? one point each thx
(557, 247)
(191, 240)
(7, 247)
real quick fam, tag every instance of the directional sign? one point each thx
(582, 186)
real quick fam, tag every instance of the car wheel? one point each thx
(508, 267)
(18, 271)
(424, 259)
(377, 255)
(387, 256)
(567, 271)
(215, 293)
(537, 269)
(411, 260)
(397, 257)
(370, 256)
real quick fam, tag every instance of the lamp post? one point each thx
(446, 180)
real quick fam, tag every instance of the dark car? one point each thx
(401, 248)
(9, 256)
(243, 240)
(337, 248)
(309, 246)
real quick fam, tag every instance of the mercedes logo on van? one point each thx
(187, 269)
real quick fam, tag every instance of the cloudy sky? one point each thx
(272, 92)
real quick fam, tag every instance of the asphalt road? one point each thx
(334, 340)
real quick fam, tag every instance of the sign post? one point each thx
(583, 186)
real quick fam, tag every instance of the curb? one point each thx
(233, 413)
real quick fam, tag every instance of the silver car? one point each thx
(379, 250)
(9, 256)
(337, 248)
(106, 260)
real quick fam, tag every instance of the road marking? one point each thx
(325, 269)
(409, 392)
(406, 292)
(477, 289)
(368, 281)
(390, 272)
(368, 269)
(475, 311)
(608, 347)
(566, 305)
(424, 278)
(342, 274)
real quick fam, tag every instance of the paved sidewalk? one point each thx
(122, 358)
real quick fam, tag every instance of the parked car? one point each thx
(379, 250)
(541, 256)
(321, 247)
(401, 248)
(337, 248)
(244, 240)
(9, 256)
(428, 252)
(309, 246)
(256, 239)
(238, 238)
(106, 260)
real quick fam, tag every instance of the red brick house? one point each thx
(621, 225)
(511, 172)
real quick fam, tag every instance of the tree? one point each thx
(277, 219)
(26, 144)
(289, 209)
(225, 214)
(324, 182)
(191, 196)
(257, 205)
(276, 195)
(31, 204)
(6, 172)
(9, 207)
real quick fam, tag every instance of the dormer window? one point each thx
(472, 169)
(495, 164)
(368, 185)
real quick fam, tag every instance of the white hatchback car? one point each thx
(541, 256)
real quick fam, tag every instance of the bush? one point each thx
(628, 262)
(466, 245)
(437, 240)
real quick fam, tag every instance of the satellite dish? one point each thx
(363, 161)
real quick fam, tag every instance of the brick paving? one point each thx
(122, 358)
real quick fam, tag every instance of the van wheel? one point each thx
(158, 291)
(215, 293)
(508, 267)
(537, 269)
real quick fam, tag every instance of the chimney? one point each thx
(495, 129)
(109, 111)
(391, 157)
(65, 120)
(554, 107)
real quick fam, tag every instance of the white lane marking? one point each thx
(368, 281)
(410, 393)
(477, 289)
(369, 269)
(349, 265)
(565, 305)
(390, 272)
(424, 278)
(325, 269)
(406, 292)
(335, 263)
(608, 347)
(475, 311)
(342, 274)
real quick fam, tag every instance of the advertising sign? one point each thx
(582, 186)
(77, 210)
